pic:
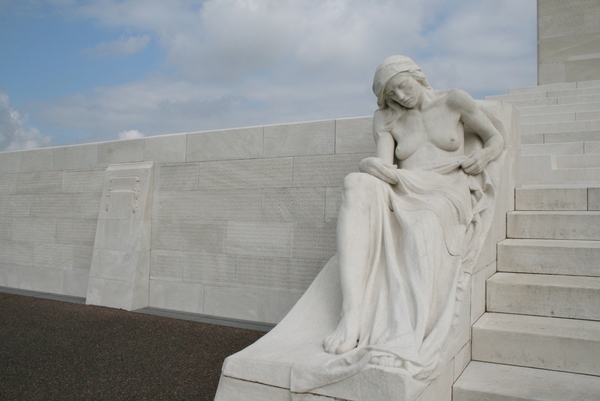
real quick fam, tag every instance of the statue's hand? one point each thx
(379, 168)
(477, 161)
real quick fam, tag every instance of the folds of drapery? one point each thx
(426, 234)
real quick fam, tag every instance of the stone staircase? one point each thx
(540, 336)
(560, 133)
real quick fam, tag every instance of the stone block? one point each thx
(178, 177)
(75, 283)
(41, 279)
(191, 237)
(259, 173)
(9, 275)
(111, 293)
(186, 297)
(310, 138)
(231, 144)
(563, 257)
(76, 231)
(333, 200)
(582, 70)
(272, 239)
(354, 135)
(125, 235)
(8, 184)
(82, 257)
(127, 151)
(54, 256)
(279, 303)
(12, 206)
(231, 389)
(478, 287)
(551, 73)
(554, 225)
(16, 253)
(123, 265)
(34, 229)
(5, 228)
(551, 198)
(77, 157)
(325, 171)
(166, 265)
(532, 139)
(294, 204)
(40, 182)
(572, 137)
(10, 162)
(567, 148)
(591, 148)
(235, 302)
(213, 205)
(441, 388)
(87, 181)
(38, 160)
(461, 360)
(566, 345)
(209, 268)
(593, 198)
(314, 240)
(548, 118)
(275, 273)
(75, 205)
(544, 295)
(494, 382)
(165, 149)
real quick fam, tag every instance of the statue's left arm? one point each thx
(493, 143)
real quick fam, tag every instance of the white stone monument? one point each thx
(410, 230)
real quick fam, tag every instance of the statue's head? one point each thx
(391, 67)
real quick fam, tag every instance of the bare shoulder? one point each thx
(460, 100)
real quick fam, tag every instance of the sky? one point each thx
(79, 71)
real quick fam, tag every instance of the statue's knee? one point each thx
(359, 182)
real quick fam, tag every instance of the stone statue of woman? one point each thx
(409, 221)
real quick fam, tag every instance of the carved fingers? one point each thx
(476, 161)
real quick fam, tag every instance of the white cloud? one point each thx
(131, 134)
(253, 62)
(12, 134)
(120, 47)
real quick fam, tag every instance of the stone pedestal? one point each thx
(120, 272)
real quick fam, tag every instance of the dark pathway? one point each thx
(51, 350)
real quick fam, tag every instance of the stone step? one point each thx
(562, 148)
(566, 345)
(560, 117)
(554, 225)
(493, 382)
(564, 257)
(566, 148)
(575, 161)
(561, 127)
(540, 170)
(550, 199)
(559, 109)
(573, 297)
(580, 99)
(555, 87)
(589, 136)
(563, 93)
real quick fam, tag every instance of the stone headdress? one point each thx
(389, 68)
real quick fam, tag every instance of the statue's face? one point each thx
(404, 90)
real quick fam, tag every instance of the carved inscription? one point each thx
(46, 182)
(178, 177)
(165, 264)
(34, 230)
(259, 239)
(8, 183)
(124, 192)
(293, 204)
(76, 231)
(276, 273)
(83, 181)
(333, 200)
(258, 173)
(211, 205)
(209, 268)
(190, 237)
(325, 171)
(314, 240)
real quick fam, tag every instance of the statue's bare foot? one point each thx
(386, 360)
(345, 336)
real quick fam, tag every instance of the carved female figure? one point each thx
(408, 221)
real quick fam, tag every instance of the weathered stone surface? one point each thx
(260, 239)
(354, 135)
(232, 144)
(40, 182)
(128, 151)
(165, 149)
(191, 237)
(326, 171)
(259, 173)
(10, 162)
(8, 183)
(311, 138)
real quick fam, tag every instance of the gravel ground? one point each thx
(51, 350)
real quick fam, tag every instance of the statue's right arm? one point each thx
(382, 165)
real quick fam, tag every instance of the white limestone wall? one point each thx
(242, 221)
(568, 41)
